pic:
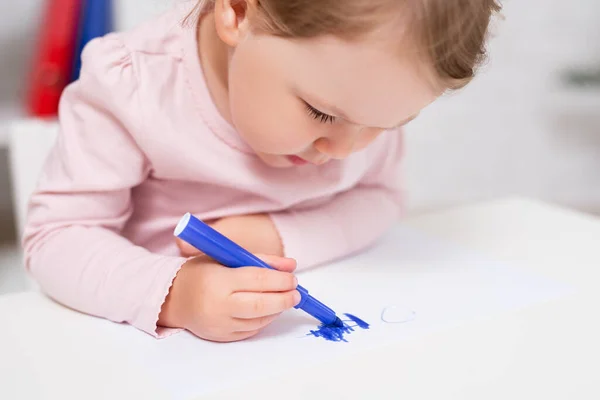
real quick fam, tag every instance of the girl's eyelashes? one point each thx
(319, 115)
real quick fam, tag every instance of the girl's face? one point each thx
(313, 100)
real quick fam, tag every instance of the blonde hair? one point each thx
(452, 32)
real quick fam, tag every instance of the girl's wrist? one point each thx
(172, 314)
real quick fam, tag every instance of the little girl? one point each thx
(276, 121)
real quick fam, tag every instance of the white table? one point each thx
(548, 351)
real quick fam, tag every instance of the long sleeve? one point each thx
(352, 220)
(73, 247)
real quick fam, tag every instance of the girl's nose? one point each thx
(342, 144)
(338, 149)
(338, 146)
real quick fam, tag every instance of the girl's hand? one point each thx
(228, 304)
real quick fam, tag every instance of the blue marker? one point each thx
(96, 21)
(228, 253)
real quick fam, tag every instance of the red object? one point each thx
(53, 62)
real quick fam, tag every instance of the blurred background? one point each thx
(529, 125)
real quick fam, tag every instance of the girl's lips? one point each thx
(297, 160)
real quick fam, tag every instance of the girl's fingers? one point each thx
(230, 337)
(249, 305)
(255, 279)
(253, 324)
(236, 336)
(279, 263)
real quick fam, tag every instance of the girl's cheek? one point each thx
(367, 139)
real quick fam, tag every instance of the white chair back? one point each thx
(30, 142)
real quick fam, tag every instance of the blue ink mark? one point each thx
(335, 333)
(358, 321)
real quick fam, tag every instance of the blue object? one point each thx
(228, 253)
(337, 333)
(96, 21)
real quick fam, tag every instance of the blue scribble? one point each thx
(335, 333)
(361, 324)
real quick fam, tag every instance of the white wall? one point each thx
(515, 130)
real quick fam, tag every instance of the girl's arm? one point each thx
(350, 222)
(72, 241)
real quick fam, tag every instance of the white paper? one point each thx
(424, 283)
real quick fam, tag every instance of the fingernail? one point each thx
(297, 298)
(295, 281)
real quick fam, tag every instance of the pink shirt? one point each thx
(140, 144)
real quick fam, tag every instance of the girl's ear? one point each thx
(231, 20)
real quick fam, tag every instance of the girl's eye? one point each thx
(319, 115)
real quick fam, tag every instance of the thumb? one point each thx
(279, 263)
